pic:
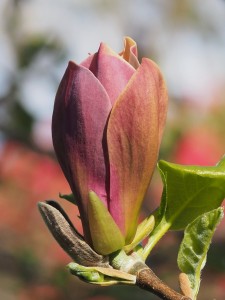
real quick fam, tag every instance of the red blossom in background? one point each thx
(26, 177)
(199, 146)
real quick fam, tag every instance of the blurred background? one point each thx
(37, 38)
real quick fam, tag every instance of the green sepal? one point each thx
(143, 230)
(101, 276)
(106, 235)
(195, 244)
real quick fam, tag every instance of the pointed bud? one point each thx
(68, 238)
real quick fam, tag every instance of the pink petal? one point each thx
(133, 143)
(79, 119)
(163, 103)
(111, 70)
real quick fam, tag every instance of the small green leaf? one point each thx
(194, 247)
(143, 230)
(87, 274)
(101, 276)
(106, 235)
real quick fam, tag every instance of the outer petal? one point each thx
(133, 143)
(162, 102)
(79, 119)
(130, 52)
(111, 70)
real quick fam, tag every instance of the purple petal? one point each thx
(80, 115)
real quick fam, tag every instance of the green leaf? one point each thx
(101, 276)
(189, 191)
(195, 245)
(143, 230)
(105, 234)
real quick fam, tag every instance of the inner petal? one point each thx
(111, 70)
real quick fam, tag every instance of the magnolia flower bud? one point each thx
(107, 125)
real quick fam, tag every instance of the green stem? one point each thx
(156, 235)
(127, 263)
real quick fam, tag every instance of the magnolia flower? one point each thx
(107, 125)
